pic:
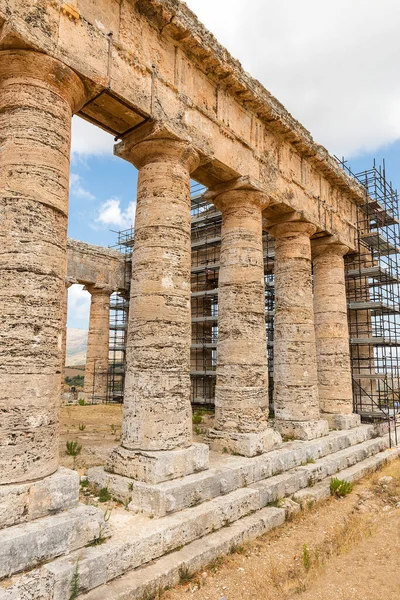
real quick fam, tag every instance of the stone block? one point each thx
(342, 421)
(24, 546)
(245, 444)
(227, 474)
(24, 502)
(157, 466)
(302, 430)
(165, 572)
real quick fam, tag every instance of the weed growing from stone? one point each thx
(184, 575)
(309, 461)
(340, 488)
(75, 582)
(104, 495)
(82, 426)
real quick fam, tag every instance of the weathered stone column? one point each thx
(295, 362)
(241, 395)
(157, 422)
(332, 335)
(38, 95)
(95, 386)
(64, 334)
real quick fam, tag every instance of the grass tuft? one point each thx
(340, 488)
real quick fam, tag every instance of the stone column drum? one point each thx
(38, 95)
(64, 335)
(295, 363)
(95, 386)
(241, 395)
(332, 335)
(157, 421)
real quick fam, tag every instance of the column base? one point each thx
(158, 465)
(302, 430)
(342, 421)
(24, 502)
(244, 444)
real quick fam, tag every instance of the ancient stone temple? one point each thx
(181, 108)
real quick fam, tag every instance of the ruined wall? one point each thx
(153, 59)
(95, 265)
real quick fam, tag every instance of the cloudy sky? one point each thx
(333, 65)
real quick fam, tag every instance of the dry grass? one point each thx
(294, 561)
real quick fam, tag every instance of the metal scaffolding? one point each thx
(372, 285)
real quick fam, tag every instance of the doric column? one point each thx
(38, 95)
(332, 335)
(157, 422)
(295, 362)
(64, 333)
(241, 395)
(95, 386)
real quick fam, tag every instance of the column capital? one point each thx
(327, 246)
(46, 71)
(157, 142)
(241, 191)
(288, 228)
(96, 289)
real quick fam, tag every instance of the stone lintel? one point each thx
(245, 444)
(158, 466)
(303, 430)
(342, 421)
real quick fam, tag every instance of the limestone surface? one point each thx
(96, 370)
(241, 394)
(38, 95)
(331, 330)
(295, 361)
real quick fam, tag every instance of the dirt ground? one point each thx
(342, 549)
(96, 428)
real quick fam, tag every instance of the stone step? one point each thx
(226, 474)
(137, 539)
(289, 483)
(147, 581)
(321, 490)
(26, 545)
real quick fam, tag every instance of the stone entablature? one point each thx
(97, 266)
(153, 59)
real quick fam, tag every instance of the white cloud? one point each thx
(111, 214)
(89, 140)
(77, 188)
(333, 65)
(78, 307)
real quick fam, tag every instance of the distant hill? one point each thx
(76, 346)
